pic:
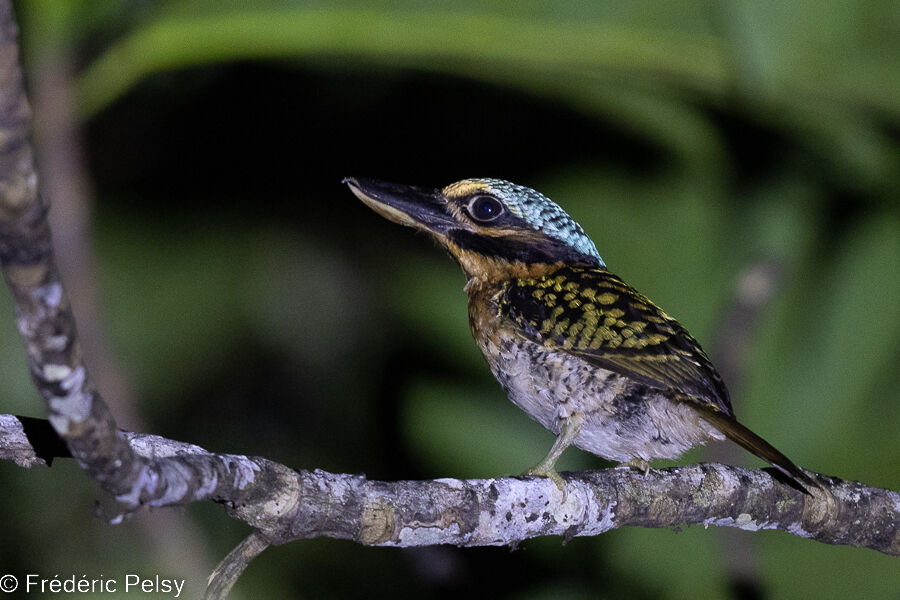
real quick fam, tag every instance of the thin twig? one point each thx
(227, 572)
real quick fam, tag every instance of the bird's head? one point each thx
(493, 228)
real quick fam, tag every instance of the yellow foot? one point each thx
(568, 432)
(550, 473)
(637, 463)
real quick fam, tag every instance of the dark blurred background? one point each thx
(232, 293)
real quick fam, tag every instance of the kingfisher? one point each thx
(579, 350)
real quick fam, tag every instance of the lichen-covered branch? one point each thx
(75, 409)
(29, 442)
(285, 505)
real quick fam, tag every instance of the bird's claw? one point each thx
(551, 474)
(636, 463)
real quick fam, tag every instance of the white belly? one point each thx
(623, 419)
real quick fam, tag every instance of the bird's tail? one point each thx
(751, 442)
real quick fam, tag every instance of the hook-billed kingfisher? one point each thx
(579, 350)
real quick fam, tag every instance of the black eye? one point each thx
(485, 208)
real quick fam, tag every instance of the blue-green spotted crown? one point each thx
(541, 213)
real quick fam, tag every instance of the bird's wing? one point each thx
(592, 314)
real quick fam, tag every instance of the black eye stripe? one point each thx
(485, 208)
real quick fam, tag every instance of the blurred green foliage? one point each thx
(309, 331)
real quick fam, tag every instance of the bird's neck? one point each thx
(484, 273)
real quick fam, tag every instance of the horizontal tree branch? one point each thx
(286, 505)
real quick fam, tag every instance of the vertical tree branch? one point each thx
(46, 324)
(75, 409)
(172, 536)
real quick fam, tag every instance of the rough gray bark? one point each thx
(29, 442)
(283, 505)
(42, 308)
